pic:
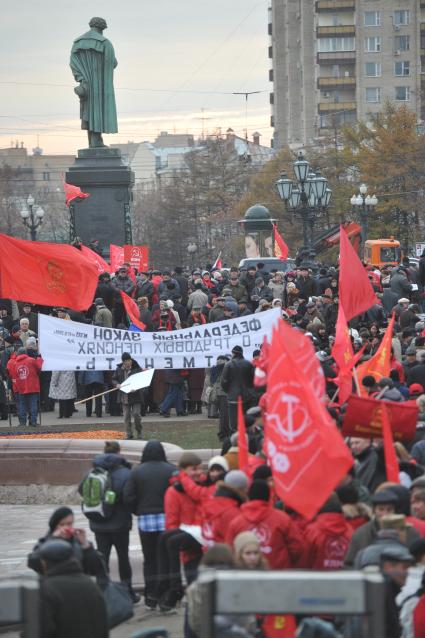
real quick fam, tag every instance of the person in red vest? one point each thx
(327, 538)
(278, 537)
(25, 371)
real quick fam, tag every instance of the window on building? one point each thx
(402, 43)
(401, 17)
(402, 68)
(373, 44)
(372, 69)
(402, 93)
(336, 44)
(46, 177)
(372, 18)
(373, 94)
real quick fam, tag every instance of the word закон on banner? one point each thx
(68, 345)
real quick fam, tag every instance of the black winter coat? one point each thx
(88, 558)
(120, 471)
(145, 489)
(238, 379)
(119, 377)
(416, 374)
(107, 292)
(71, 604)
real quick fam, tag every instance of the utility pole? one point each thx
(246, 94)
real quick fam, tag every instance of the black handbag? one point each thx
(119, 605)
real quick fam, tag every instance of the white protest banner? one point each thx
(137, 381)
(68, 345)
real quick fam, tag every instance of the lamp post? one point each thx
(32, 217)
(308, 196)
(191, 249)
(365, 204)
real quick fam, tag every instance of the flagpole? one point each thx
(356, 382)
(95, 395)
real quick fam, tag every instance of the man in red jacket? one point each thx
(182, 514)
(327, 537)
(25, 371)
(218, 512)
(274, 529)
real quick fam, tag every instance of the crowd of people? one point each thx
(193, 517)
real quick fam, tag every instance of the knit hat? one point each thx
(237, 479)
(189, 458)
(242, 540)
(56, 551)
(259, 491)
(237, 350)
(384, 498)
(262, 473)
(218, 460)
(58, 515)
(415, 388)
(348, 494)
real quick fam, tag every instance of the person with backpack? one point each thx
(109, 516)
(133, 402)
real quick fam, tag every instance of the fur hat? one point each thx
(218, 460)
(189, 458)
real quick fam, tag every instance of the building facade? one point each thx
(337, 61)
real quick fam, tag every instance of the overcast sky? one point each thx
(175, 58)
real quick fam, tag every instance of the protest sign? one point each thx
(68, 345)
(137, 381)
(137, 256)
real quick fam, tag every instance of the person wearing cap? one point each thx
(416, 374)
(71, 603)
(144, 492)
(384, 503)
(260, 292)
(236, 287)
(394, 564)
(248, 279)
(238, 381)
(122, 282)
(105, 290)
(144, 286)
(198, 297)
(103, 316)
(217, 311)
(399, 283)
(32, 317)
(388, 392)
(168, 284)
(279, 540)
(411, 360)
(25, 372)
(132, 402)
(180, 511)
(306, 284)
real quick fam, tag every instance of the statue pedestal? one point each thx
(105, 215)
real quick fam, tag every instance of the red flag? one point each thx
(280, 248)
(307, 453)
(355, 290)
(100, 263)
(116, 257)
(363, 418)
(380, 364)
(242, 439)
(72, 192)
(46, 274)
(274, 626)
(261, 363)
(343, 354)
(137, 256)
(217, 264)
(132, 309)
(391, 462)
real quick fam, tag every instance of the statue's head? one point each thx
(98, 23)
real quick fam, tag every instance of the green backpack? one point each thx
(98, 498)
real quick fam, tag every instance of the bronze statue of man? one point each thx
(93, 63)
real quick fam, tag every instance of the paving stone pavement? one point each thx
(20, 528)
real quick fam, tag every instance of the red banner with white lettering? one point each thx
(137, 257)
(363, 418)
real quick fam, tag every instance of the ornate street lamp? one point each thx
(308, 196)
(364, 205)
(32, 217)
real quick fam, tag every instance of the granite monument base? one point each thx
(106, 214)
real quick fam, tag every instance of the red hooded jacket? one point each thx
(327, 539)
(25, 373)
(278, 538)
(180, 509)
(217, 514)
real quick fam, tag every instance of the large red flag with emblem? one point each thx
(307, 453)
(132, 310)
(281, 250)
(46, 274)
(101, 265)
(355, 290)
(380, 364)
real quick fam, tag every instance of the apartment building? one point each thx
(337, 61)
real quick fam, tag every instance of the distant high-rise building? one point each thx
(336, 61)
